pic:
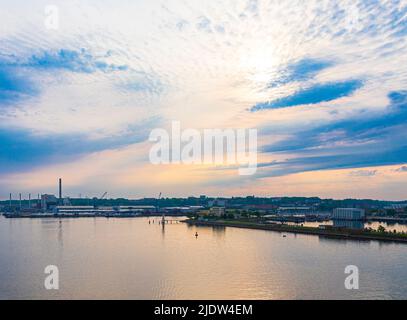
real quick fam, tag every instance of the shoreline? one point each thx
(345, 234)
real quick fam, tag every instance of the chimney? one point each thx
(60, 191)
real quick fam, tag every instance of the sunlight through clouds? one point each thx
(319, 79)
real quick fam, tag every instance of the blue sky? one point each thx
(324, 82)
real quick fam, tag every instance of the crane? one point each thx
(158, 202)
(158, 209)
(96, 199)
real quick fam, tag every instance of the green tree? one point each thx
(381, 229)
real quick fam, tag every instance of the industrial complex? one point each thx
(48, 205)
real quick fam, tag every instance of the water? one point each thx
(101, 258)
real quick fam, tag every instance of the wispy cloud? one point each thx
(363, 173)
(63, 59)
(313, 95)
(302, 70)
(402, 169)
(23, 150)
(369, 140)
(17, 75)
(75, 61)
(116, 64)
(14, 86)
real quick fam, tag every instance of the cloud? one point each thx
(363, 173)
(204, 24)
(14, 86)
(313, 95)
(17, 80)
(70, 92)
(212, 61)
(71, 60)
(363, 141)
(302, 70)
(141, 82)
(182, 24)
(402, 169)
(21, 149)
(252, 6)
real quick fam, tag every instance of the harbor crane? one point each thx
(96, 199)
(158, 203)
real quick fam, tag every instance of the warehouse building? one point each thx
(354, 214)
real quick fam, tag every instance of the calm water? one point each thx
(130, 259)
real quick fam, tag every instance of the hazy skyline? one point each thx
(324, 82)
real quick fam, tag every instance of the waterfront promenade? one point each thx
(331, 233)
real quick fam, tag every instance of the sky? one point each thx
(324, 82)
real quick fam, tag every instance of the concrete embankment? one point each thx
(338, 234)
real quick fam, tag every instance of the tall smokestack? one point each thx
(60, 190)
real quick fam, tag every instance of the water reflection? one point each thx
(131, 259)
(219, 231)
(163, 229)
(332, 240)
(60, 234)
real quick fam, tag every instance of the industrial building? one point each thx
(300, 211)
(217, 211)
(134, 209)
(48, 201)
(181, 210)
(353, 214)
(217, 203)
(82, 210)
(214, 211)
